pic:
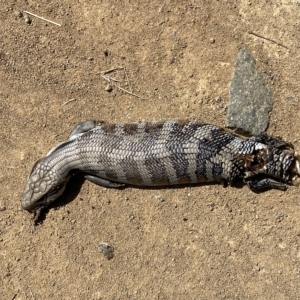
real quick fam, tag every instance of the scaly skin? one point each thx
(159, 154)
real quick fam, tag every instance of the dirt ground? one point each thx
(203, 242)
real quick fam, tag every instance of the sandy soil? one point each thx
(204, 242)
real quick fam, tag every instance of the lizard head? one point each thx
(43, 186)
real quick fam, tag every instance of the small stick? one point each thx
(109, 78)
(111, 70)
(65, 103)
(128, 80)
(114, 79)
(270, 40)
(111, 81)
(32, 296)
(27, 12)
(130, 93)
(159, 34)
(46, 112)
(15, 295)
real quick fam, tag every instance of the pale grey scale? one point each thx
(162, 143)
(286, 162)
(117, 158)
(90, 157)
(119, 128)
(279, 164)
(137, 164)
(167, 148)
(157, 163)
(210, 162)
(209, 171)
(223, 162)
(116, 163)
(141, 127)
(190, 148)
(241, 146)
(101, 154)
(244, 147)
(146, 176)
(197, 167)
(153, 155)
(204, 132)
(133, 172)
(234, 145)
(65, 159)
(183, 150)
(180, 159)
(147, 154)
(88, 151)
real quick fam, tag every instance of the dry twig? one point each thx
(46, 112)
(265, 38)
(111, 70)
(128, 80)
(29, 13)
(65, 103)
(32, 296)
(112, 81)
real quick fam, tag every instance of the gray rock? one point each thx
(106, 249)
(251, 99)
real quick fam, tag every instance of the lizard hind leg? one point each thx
(81, 128)
(78, 130)
(103, 182)
(263, 184)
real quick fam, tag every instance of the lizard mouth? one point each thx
(37, 212)
(37, 205)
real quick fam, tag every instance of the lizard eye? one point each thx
(55, 189)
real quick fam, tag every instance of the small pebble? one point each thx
(2, 208)
(160, 198)
(256, 268)
(212, 40)
(218, 99)
(19, 14)
(107, 250)
(109, 88)
(105, 52)
(211, 206)
(27, 19)
(289, 98)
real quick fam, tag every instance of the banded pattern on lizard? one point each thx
(159, 154)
